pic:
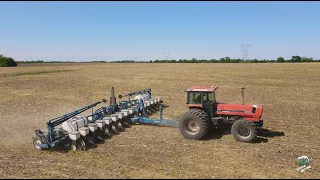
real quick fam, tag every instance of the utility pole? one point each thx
(166, 54)
(245, 51)
(134, 58)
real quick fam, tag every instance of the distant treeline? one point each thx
(41, 61)
(294, 59)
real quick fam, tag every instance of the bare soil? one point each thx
(33, 94)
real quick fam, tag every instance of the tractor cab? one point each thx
(202, 97)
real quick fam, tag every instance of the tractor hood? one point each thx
(249, 111)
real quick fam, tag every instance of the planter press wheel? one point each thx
(36, 141)
(80, 146)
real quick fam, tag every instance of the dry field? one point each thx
(32, 94)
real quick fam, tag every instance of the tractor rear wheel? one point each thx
(210, 124)
(194, 124)
(244, 130)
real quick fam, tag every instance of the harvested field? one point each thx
(32, 94)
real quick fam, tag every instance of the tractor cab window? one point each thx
(201, 97)
(208, 97)
(194, 98)
(205, 97)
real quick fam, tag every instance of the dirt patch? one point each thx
(35, 73)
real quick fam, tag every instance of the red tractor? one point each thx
(205, 113)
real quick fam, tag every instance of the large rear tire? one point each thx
(210, 123)
(244, 130)
(194, 124)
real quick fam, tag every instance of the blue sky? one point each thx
(87, 31)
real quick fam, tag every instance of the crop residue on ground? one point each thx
(289, 93)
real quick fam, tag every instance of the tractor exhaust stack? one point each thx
(242, 93)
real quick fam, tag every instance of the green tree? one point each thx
(194, 60)
(238, 60)
(7, 61)
(305, 59)
(280, 59)
(213, 61)
(227, 59)
(255, 61)
(296, 59)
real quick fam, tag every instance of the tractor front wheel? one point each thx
(194, 124)
(244, 130)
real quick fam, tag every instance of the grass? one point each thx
(288, 92)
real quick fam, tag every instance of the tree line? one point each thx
(294, 59)
(8, 61)
(41, 61)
